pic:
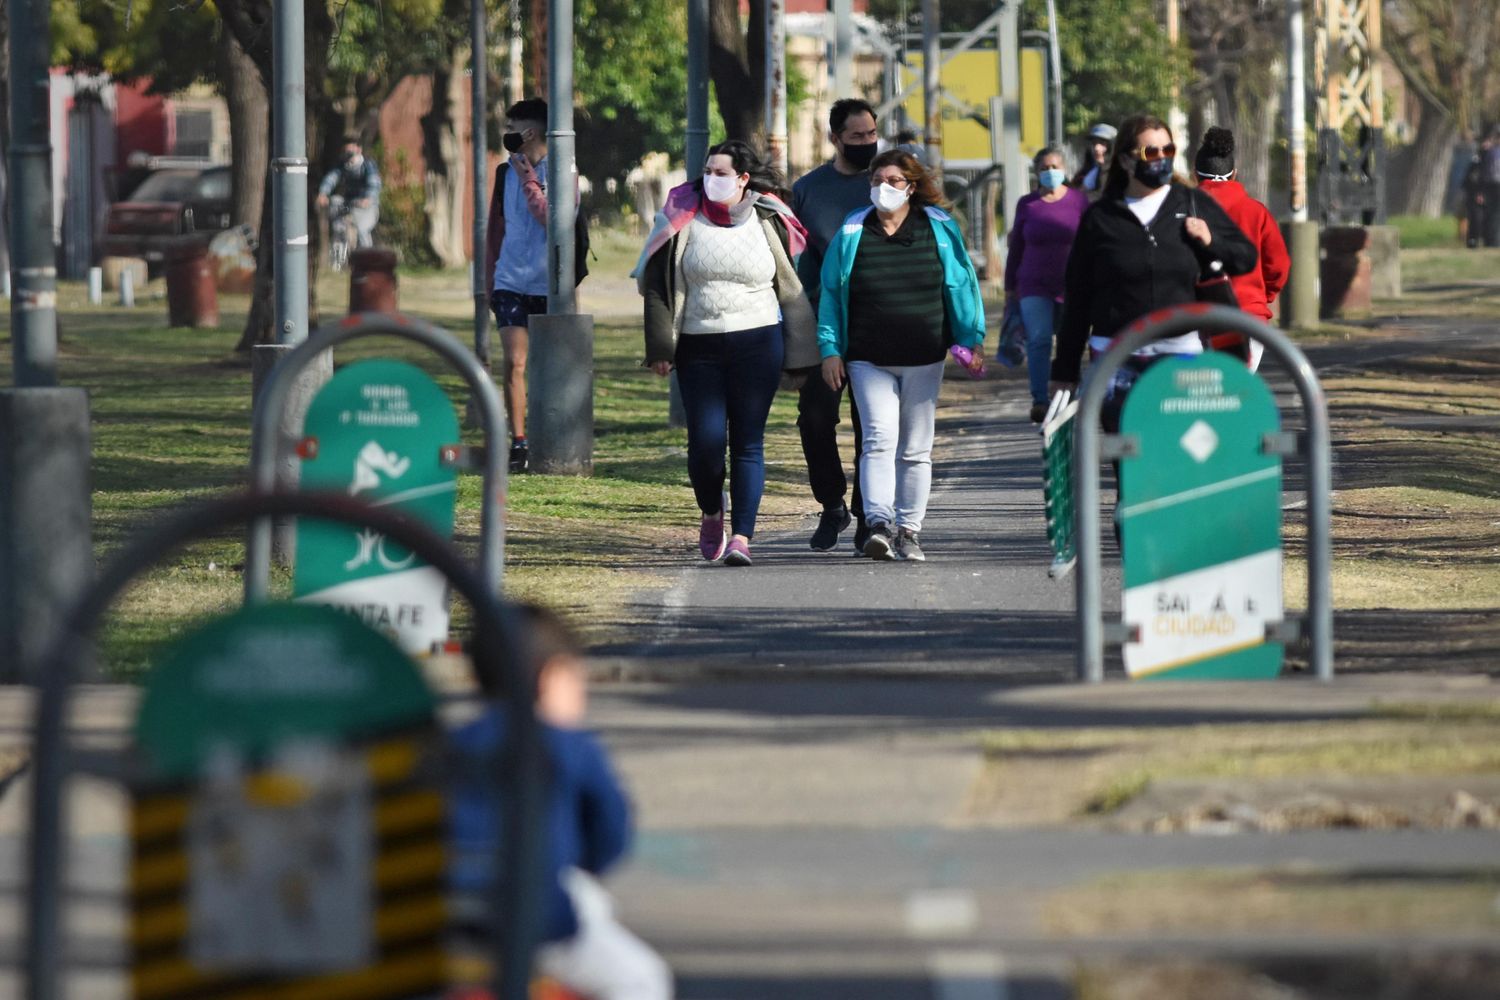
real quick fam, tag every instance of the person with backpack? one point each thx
(723, 305)
(516, 255)
(1257, 288)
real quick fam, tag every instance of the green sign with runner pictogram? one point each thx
(376, 432)
(1200, 522)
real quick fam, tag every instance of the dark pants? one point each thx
(818, 423)
(728, 381)
(1492, 215)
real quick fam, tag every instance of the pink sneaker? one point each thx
(738, 553)
(712, 537)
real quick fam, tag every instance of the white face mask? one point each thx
(887, 198)
(717, 187)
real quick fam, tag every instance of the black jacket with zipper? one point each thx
(1119, 270)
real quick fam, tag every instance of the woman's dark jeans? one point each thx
(728, 381)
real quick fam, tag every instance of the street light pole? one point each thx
(479, 64)
(1300, 301)
(932, 101)
(289, 172)
(33, 303)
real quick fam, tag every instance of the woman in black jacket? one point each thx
(1142, 246)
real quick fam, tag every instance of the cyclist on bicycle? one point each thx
(353, 187)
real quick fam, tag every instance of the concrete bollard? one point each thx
(1299, 301)
(96, 286)
(127, 288)
(1385, 262)
(5, 284)
(263, 358)
(46, 553)
(560, 397)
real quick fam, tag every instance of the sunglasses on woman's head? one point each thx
(1152, 153)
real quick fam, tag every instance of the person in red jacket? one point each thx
(1258, 288)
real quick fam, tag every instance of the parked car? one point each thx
(172, 204)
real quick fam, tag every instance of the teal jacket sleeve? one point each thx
(965, 301)
(832, 303)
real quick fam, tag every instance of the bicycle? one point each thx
(341, 233)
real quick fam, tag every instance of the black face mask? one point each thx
(860, 155)
(513, 141)
(1153, 173)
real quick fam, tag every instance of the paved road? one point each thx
(982, 605)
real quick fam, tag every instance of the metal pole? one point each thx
(33, 304)
(1296, 107)
(479, 65)
(1054, 58)
(696, 150)
(289, 172)
(1017, 172)
(1299, 306)
(932, 101)
(776, 82)
(562, 172)
(843, 47)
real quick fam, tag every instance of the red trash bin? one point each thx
(192, 286)
(372, 280)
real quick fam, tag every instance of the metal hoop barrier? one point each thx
(265, 446)
(1314, 445)
(500, 642)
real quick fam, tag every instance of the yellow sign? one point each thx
(971, 78)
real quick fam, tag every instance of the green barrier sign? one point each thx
(1057, 484)
(1200, 520)
(290, 841)
(271, 674)
(376, 432)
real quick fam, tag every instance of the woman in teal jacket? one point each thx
(898, 291)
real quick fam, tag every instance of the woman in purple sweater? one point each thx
(1040, 240)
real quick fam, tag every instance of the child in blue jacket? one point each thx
(587, 824)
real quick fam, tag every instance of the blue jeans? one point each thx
(728, 381)
(1039, 315)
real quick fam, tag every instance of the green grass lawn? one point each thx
(171, 424)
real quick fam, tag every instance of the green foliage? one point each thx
(403, 214)
(631, 78)
(1116, 60)
(172, 43)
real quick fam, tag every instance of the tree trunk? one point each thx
(446, 183)
(1260, 115)
(737, 83)
(1428, 163)
(245, 94)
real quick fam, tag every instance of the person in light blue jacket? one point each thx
(898, 291)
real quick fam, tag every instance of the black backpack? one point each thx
(580, 228)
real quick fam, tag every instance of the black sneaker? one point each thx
(861, 535)
(830, 524)
(878, 545)
(907, 546)
(520, 456)
(1038, 412)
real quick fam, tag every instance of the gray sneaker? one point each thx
(907, 546)
(878, 545)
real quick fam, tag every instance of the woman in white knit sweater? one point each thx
(724, 307)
